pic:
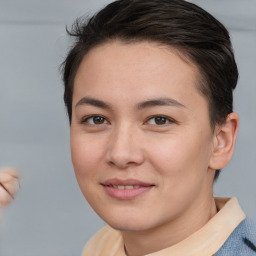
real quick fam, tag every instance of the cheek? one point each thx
(168, 154)
(85, 155)
(86, 161)
(181, 164)
(179, 156)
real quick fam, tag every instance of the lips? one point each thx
(126, 189)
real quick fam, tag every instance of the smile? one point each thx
(126, 189)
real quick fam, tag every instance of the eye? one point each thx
(95, 120)
(159, 120)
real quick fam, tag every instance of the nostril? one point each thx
(119, 164)
(123, 150)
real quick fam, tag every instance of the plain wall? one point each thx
(50, 216)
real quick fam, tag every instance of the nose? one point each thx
(125, 148)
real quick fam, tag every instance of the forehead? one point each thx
(136, 68)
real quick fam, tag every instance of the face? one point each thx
(141, 139)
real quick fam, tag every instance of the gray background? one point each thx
(50, 216)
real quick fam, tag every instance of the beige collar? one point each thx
(209, 239)
(206, 241)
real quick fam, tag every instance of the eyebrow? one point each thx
(139, 106)
(93, 102)
(160, 102)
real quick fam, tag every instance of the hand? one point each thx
(9, 185)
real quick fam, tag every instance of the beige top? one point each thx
(204, 242)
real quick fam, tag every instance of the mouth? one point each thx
(126, 189)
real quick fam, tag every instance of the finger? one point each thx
(11, 187)
(6, 190)
(8, 174)
(5, 197)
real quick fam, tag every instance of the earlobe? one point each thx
(224, 142)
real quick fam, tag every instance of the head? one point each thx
(148, 89)
(194, 33)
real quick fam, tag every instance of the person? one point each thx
(9, 184)
(149, 93)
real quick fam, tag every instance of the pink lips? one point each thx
(125, 189)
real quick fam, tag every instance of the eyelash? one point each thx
(167, 120)
(85, 120)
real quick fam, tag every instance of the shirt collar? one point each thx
(209, 239)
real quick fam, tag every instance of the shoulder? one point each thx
(242, 241)
(107, 240)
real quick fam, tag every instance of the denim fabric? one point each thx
(242, 242)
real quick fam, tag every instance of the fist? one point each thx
(9, 185)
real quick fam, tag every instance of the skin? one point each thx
(8, 186)
(176, 154)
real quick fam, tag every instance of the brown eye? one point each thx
(159, 120)
(98, 120)
(95, 120)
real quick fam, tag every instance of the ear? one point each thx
(224, 142)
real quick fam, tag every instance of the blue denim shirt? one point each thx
(242, 241)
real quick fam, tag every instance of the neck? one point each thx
(138, 243)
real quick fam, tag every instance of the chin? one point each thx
(128, 227)
(129, 223)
